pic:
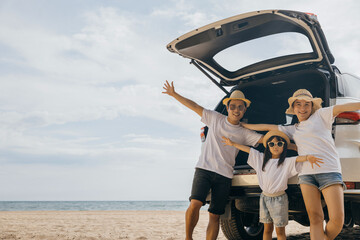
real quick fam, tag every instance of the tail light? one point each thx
(350, 185)
(202, 134)
(348, 118)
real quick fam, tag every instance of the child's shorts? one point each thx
(274, 210)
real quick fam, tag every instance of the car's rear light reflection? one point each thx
(348, 118)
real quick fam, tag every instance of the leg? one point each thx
(280, 233)
(212, 230)
(192, 217)
(312, 199)
(200, 188)
(334, 198)
(268, 230)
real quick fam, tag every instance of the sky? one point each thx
(82, 116)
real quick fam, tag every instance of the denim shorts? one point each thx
(322, 180)
(274, 210)
(203, 182)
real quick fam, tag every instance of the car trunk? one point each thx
(269, 98)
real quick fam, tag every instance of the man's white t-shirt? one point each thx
(313, 136)
(275, 178)
(214, 155)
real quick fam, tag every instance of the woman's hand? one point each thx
(313, 160)
(227, 142)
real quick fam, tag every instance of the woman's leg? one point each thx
(280, 233)
(268, 229)
(334, 198)
(312, 199)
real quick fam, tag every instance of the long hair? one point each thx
(268, 155)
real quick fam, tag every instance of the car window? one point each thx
(351, 85)
(264, 48)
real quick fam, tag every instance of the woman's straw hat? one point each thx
(275, 133)
(237, 95)
(303, 94)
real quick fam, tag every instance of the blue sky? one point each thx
(82, 116)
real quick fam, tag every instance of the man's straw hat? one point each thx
(303, 94)
(237, 95)
(275, 133)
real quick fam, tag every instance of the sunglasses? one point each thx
(232, 107)
(279, 144)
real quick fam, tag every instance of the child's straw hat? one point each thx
(237, 95)
(275, 133)
(303, 94)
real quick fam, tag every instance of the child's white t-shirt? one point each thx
(314, 137)
(214, 155)
(275, 178)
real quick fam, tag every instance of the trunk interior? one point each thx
(269, 99)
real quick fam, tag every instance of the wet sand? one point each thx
(139, 225)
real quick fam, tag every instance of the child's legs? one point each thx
(268, 229)
(280, 233)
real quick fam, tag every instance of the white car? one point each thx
(268, 55)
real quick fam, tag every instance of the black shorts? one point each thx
(203, 182)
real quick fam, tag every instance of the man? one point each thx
(214, 169)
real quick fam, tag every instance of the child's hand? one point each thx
(169, 89)
(313, 160)
(226, 141)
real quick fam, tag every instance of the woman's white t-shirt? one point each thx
(214, 155)
(314, 137)
(275, 178)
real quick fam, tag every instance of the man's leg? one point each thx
(192, 217)
(312, 199)
(213, 226)
(334, 198)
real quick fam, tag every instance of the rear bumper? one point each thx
(352, 195)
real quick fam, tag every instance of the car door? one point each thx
(205, 45)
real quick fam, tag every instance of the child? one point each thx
(273, 171)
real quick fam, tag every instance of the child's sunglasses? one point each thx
(279, 144)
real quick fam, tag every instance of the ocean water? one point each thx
(91, 205)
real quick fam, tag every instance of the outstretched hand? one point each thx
(226, 141)
(169, 88)
(314, 160)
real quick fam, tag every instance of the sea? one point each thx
(92, 205)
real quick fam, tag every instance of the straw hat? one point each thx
(237, 95)
(275, 133)
(303, 94)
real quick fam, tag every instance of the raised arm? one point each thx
(170, 90)
(260, 127)
(347, 107)
(313, 160)
(228, 142)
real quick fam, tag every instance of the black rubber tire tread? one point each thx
(233, 228)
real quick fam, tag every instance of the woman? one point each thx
(312, 135)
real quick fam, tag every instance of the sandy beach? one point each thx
(103, 225)
(91, 225)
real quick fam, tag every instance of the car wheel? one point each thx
(302, 219)
(242, 225)
(348, 221)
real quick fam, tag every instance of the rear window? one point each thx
(264, 48)
(351, 85)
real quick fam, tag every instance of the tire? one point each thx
(242, 226)
(348, 221)
(302, 219)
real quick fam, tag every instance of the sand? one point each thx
(104, 225)
(93, 225)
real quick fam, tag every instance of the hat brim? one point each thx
(247, 101)
(316, 104)
(275, 133)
